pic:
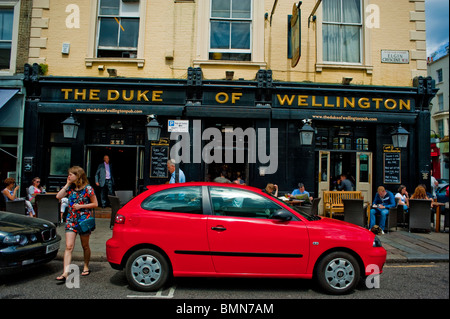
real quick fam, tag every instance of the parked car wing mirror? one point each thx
(282, 215)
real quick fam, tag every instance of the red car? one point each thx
(227, 230)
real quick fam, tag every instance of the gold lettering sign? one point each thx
(338, 102)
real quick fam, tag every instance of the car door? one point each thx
(243, 238)
(173, 220)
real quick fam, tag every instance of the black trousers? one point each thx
(106, 190)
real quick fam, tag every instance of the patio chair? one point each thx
(124, 196)
(48, 207)
(354, 211)
(313, 209)
(115, 206)
(16, 206)
(419, 214)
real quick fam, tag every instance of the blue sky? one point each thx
(436, 23)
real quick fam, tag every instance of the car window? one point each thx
(241, 203)
(177, 200)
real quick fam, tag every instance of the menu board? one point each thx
(391, 165)
(158, 161)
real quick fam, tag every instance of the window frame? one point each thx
(91, 56)
(256, 42)
(176, 191)
(231, 20)
(365, 49)
(15, 6)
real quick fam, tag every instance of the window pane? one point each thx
(351, 10)
(331, 43)
(108, 32)
(242, 9)
(220, 35)
(179, 199)
(130, 9)
(109, 7)
(240, 38)
(351, 46)
(6, 24)
(130, 32)
(220, 8)
(59, 160)
(237, 203)
(332, 10)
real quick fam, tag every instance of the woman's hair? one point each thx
(270, 187)
(82, 180)
(9, 181)
(419, 193)
(400, 188)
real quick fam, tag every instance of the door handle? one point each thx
(218, 228)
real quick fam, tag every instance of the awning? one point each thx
(10, 108)
(6, 95)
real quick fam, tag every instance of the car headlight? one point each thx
(377, 242)
(15, 240)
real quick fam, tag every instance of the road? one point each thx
(404, 281)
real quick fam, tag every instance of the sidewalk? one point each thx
(401, 245)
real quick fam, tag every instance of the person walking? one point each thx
(105, 180)
(82, 201)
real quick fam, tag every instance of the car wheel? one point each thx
(147, 270)
(338, 273)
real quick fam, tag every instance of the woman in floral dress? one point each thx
(82, 201)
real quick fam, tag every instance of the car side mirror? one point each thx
(282, 215)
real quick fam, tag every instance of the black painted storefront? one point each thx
(103, 105)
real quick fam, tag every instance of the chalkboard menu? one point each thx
(158, 161)
(391, 165)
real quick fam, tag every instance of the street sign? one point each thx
(178, 126)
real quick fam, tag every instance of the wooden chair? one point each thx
(332, 201)
(115, 206)
(354, 212)
(419, 214)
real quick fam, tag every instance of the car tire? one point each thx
(338, 273)
(147, 270)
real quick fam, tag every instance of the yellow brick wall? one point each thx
(172, 30)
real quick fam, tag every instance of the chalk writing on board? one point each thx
(158, 161)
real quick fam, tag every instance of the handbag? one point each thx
(86, 225)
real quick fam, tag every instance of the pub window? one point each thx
(230, 30)
(59, 160)
(6, 31)
(362, 144)
(342, 143)
(342, 31)
(118, 28)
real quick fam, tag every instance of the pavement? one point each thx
(401, 245)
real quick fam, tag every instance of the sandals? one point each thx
(61, 279)
(86, 273)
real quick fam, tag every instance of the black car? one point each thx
(26, 241)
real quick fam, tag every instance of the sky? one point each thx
(437, 26)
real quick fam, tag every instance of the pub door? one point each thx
(356, 165)
(127, 163)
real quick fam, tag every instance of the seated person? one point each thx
(402, 197)
(384, 200)
(271, 189)
(344, 184)
(35, 189)
(301, 191)
(9, 193)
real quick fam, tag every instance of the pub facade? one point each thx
(250, 127)
(232, 85)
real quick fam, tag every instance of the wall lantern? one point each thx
(153, 128)
(400, 137)
(70, 127)
(306, 133)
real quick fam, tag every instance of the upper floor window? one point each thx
(342, 31)
(439, 75)
(230, 30)
(6, 31)
(118, 28)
